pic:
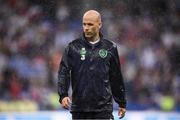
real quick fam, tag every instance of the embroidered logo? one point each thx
(83, 53)
(103, 53)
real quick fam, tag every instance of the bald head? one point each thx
(92, 14)
(92, 24)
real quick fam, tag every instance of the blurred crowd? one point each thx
(34, 33)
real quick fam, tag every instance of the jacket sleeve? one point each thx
(116, 79)
(64, 76)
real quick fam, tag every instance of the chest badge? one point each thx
(103, 53)
(83, 53)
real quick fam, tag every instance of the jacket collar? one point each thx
(92, 45)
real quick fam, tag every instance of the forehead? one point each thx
(89, 21)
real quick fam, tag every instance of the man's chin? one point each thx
(88, 36)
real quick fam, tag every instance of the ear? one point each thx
(100, 25)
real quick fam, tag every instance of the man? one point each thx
(92, 65)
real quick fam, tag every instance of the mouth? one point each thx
(87, 33)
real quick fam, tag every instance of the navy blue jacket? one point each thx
(95, 74)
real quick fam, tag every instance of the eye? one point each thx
(90, 24)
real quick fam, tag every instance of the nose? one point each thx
(86, 28)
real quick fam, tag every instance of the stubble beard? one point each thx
(91, 37)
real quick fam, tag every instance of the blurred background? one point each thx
(34, 33)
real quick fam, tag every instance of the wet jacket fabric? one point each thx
(94, 73)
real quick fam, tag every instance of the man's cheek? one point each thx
(94, 29)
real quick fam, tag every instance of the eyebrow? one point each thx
(87, 23)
